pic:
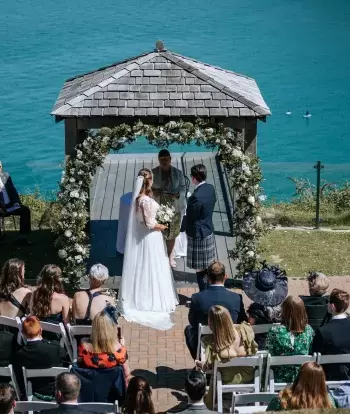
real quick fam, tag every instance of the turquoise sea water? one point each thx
(297, 50)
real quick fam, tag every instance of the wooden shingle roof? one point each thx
(161, 83)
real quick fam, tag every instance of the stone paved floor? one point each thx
(163, 358)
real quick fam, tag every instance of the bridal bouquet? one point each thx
(165, 214)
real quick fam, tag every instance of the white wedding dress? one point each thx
(148, 293)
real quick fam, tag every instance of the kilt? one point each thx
(200, 252)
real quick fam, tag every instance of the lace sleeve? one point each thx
(147, 214)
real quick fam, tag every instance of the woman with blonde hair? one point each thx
(138, 397)
(49, 302)
(148, 294)
(227, 341)
(293, 337)
(316, 304)
(104, 348)
(309, 390)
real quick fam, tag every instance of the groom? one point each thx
(201, 250)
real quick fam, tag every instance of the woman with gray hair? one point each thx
(317, 303)
(87, 303)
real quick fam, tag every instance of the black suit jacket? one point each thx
(10, 189)
(39, 355)
(334, 339)
(317, 310)
(215, 295)
(199, 212)
(69, 409)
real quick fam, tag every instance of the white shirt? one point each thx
(340, 316)
(4, 193)
(35, 339)
(203, 182)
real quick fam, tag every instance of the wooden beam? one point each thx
(73, 135)
(250, 137)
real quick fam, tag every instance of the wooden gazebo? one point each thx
(156, 87)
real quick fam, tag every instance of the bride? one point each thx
(148, 294)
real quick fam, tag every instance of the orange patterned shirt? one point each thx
(88, 359)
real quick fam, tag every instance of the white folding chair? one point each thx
(264, 328)
(13, 323)
(202, 330)
(240, 402)
(32, 406)
(28, 374)
(8, 372)
(77, 330)
(100, 407)
(219, 388)
(334, 359)
(274, 361)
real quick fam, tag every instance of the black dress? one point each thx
(317, 310)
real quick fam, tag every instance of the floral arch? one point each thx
(243, 171)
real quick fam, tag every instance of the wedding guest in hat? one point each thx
(267, 288)
(317, 303)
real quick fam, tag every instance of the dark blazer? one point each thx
(193, 409)
(334, 339)
(67, 408)
(317, 310)
(39, 355)
(215, 295)
(199, 212)
(10, 188)
(8, 345)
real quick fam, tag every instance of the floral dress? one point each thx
(281, 342)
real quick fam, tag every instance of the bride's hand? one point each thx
(160, 227)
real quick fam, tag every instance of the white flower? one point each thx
(79, 155)
(166, 217)
(78, 258)
(250, 253)
(223, 142)
(172, 124)
(63, 211)
(75, 214)
(251, 200)
(248, 173)
(237, 153)
(74, 194)
(62, 254)
(72, 171)
(68, 233)
(105, 140)
(80, 172)
(258, 220)
(72, 180)
(209, 131)
(217, 141)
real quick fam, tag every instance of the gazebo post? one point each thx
(250, 135)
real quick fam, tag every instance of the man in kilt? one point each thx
(201, 250)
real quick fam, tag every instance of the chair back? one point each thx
(202, 330)
(273, 361)
(334, 359)
(264, 328)
(251, 398)
(13, 323)
(32, 406)
(9, 372)
(28, 374)
(77, 330)
(100, 407)
(255, 361)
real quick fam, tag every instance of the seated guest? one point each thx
(49, 303)
(7, 399)
(227, 342)
(267, 288)
(317, 303)
(87, 303)
(10, 205)
(293, 337)
(67, 387)
(334, 337)
(38, 353)
(138, 397)
(309, 390)
(169, 187)
(103, 349)
(201, 302)
(14, 295)
(195, 388)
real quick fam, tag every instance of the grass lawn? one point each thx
(298, 252)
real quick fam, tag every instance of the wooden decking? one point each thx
(117, 177)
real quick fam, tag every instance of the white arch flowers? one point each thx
(243, 171)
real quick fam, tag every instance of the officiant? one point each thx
(10, 205)
(169, 187)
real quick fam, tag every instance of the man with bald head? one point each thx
(10, 205)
